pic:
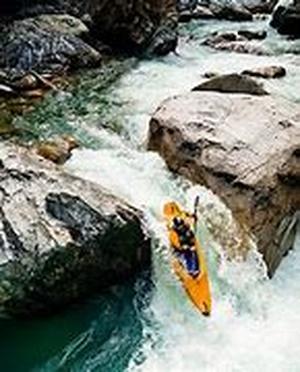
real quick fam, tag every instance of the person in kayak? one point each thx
(184, 244)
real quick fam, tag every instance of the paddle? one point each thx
(196, 203)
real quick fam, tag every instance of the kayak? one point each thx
(196, 286)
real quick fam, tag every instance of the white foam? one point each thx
(255, 323)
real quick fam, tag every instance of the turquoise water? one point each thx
(149, 325)
(105, 331)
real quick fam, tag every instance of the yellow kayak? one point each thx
(196, 286)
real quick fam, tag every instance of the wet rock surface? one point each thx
(242, 10)
(230, 11)
(59, 150)
(232, 83)
(266, 72)
(259, 6)
(60, 35)
(61, 238)
(136, 25)
(243, 41)
(246, 150)
(32, 45)
(286, 19)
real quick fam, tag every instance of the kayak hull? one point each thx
(197, 288)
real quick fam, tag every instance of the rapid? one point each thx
(149, 325)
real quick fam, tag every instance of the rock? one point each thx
(61, 238)
(259, 6)
(186, 5)
(203, 12)
(230, 11)
(130, 26)
(7, 128)
(210, 74)
(222, 37)
(215, 9)
(243, 10)
(196, 12)
(232, 83)
(267, 72)
(164, 41)
(35, 93)
(287, 19)
(253, 35)
(59, 150)
(62, 23)
(246, 150)
(27, 47)
(239, 42)
(27, 82)
(6, 91)
(136, 26)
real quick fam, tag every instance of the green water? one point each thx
(106, 328)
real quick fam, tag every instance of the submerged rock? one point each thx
(232, 83)
(61, 238)
(246, 150)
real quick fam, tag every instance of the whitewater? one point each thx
(255, 322)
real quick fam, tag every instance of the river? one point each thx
(148, 324)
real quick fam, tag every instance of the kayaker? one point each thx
(185, 233)
(184, 244)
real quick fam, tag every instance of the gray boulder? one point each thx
(45, 44)
(61, 238)
(246, 149)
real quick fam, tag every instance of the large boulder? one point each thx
(287, 19)
(45, 44)
(246, 149)
(61, 238)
